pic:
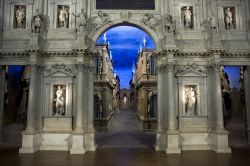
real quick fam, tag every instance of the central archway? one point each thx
(144, 56)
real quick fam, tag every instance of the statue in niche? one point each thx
(60, 101)
(190, 101)
(101, 19)
(81, 21)
(168, 24)
(63, 17)
(212, 22)
(228, 14)
(21, 17)
(37, 23)
(150, 21)
(187, 17)
(224, 81)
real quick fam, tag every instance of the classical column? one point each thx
(172, 135)
(218, 107)
(218, 137)
(161, 100)
(247, 98)
(171, 98)
(77, 135)
(32, 105)
(79, 98)
(88, 108)
(2, 85)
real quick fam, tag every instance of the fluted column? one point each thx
(79, 98)
(247, 98)
(2, 85)
(32, 104)
(218, 107)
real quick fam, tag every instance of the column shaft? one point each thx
(79, 99)
(32, 100)
(218, 107)
(171, 101)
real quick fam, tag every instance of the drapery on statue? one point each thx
(187, 15)
(63, 17)
(101, 19)
(59, 101)
(168, 24)
(81, 21)
(150, 21)
(37, 23)
(20, 17)
(190, 101)
(228, 19)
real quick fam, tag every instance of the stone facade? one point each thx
(204, 35)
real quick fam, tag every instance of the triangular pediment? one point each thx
(59, 74)
(192, 70)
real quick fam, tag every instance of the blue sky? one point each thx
(125, 42)
(233, 73)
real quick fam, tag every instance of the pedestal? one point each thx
(218, 142)
(173, 142)
(160, 141)
(30, 142)
(77, 144)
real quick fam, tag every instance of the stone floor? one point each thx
(125, 145)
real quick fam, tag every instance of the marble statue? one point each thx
(190, 101)
(168, 24)
(81, 21)
(37, 23)
(212, 22)
(228, 18)
(187, 15)
(59, 101)
(144, 41)
(63, 17)
(101, 19)
(125, 100)
(22, 109)
(150, 21)
(224, 81)
(20, 17)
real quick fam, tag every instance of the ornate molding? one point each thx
(189, 68)
(84, 68)
(150, 21)
(167, 67)
(68, 69)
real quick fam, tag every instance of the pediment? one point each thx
(60, 71)
(192, 70)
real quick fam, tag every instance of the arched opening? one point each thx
(125, 78)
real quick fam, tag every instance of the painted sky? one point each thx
(233, 73)
(124, 43)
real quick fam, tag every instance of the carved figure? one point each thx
(168, 24)
(224, 81)
(20, 17)
(63, 17)
(101, 19)
(150, 21)
(190, 101)
(228, 19)
(212, 22)
(187, 15)
(37, 23)
(81, 21)
(60, 102)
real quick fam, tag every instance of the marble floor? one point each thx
(126, 145)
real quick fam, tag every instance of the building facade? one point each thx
(193, 40)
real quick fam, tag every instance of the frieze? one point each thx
(69, 69)
(189, 68)
(167, 67)
(84, 68)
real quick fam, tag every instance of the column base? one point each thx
(218, 141)
(31, 143)
(89, 141)
(172, 141)
(77, 144)
(160, 141)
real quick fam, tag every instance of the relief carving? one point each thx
(101, 20)
(150, 21)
